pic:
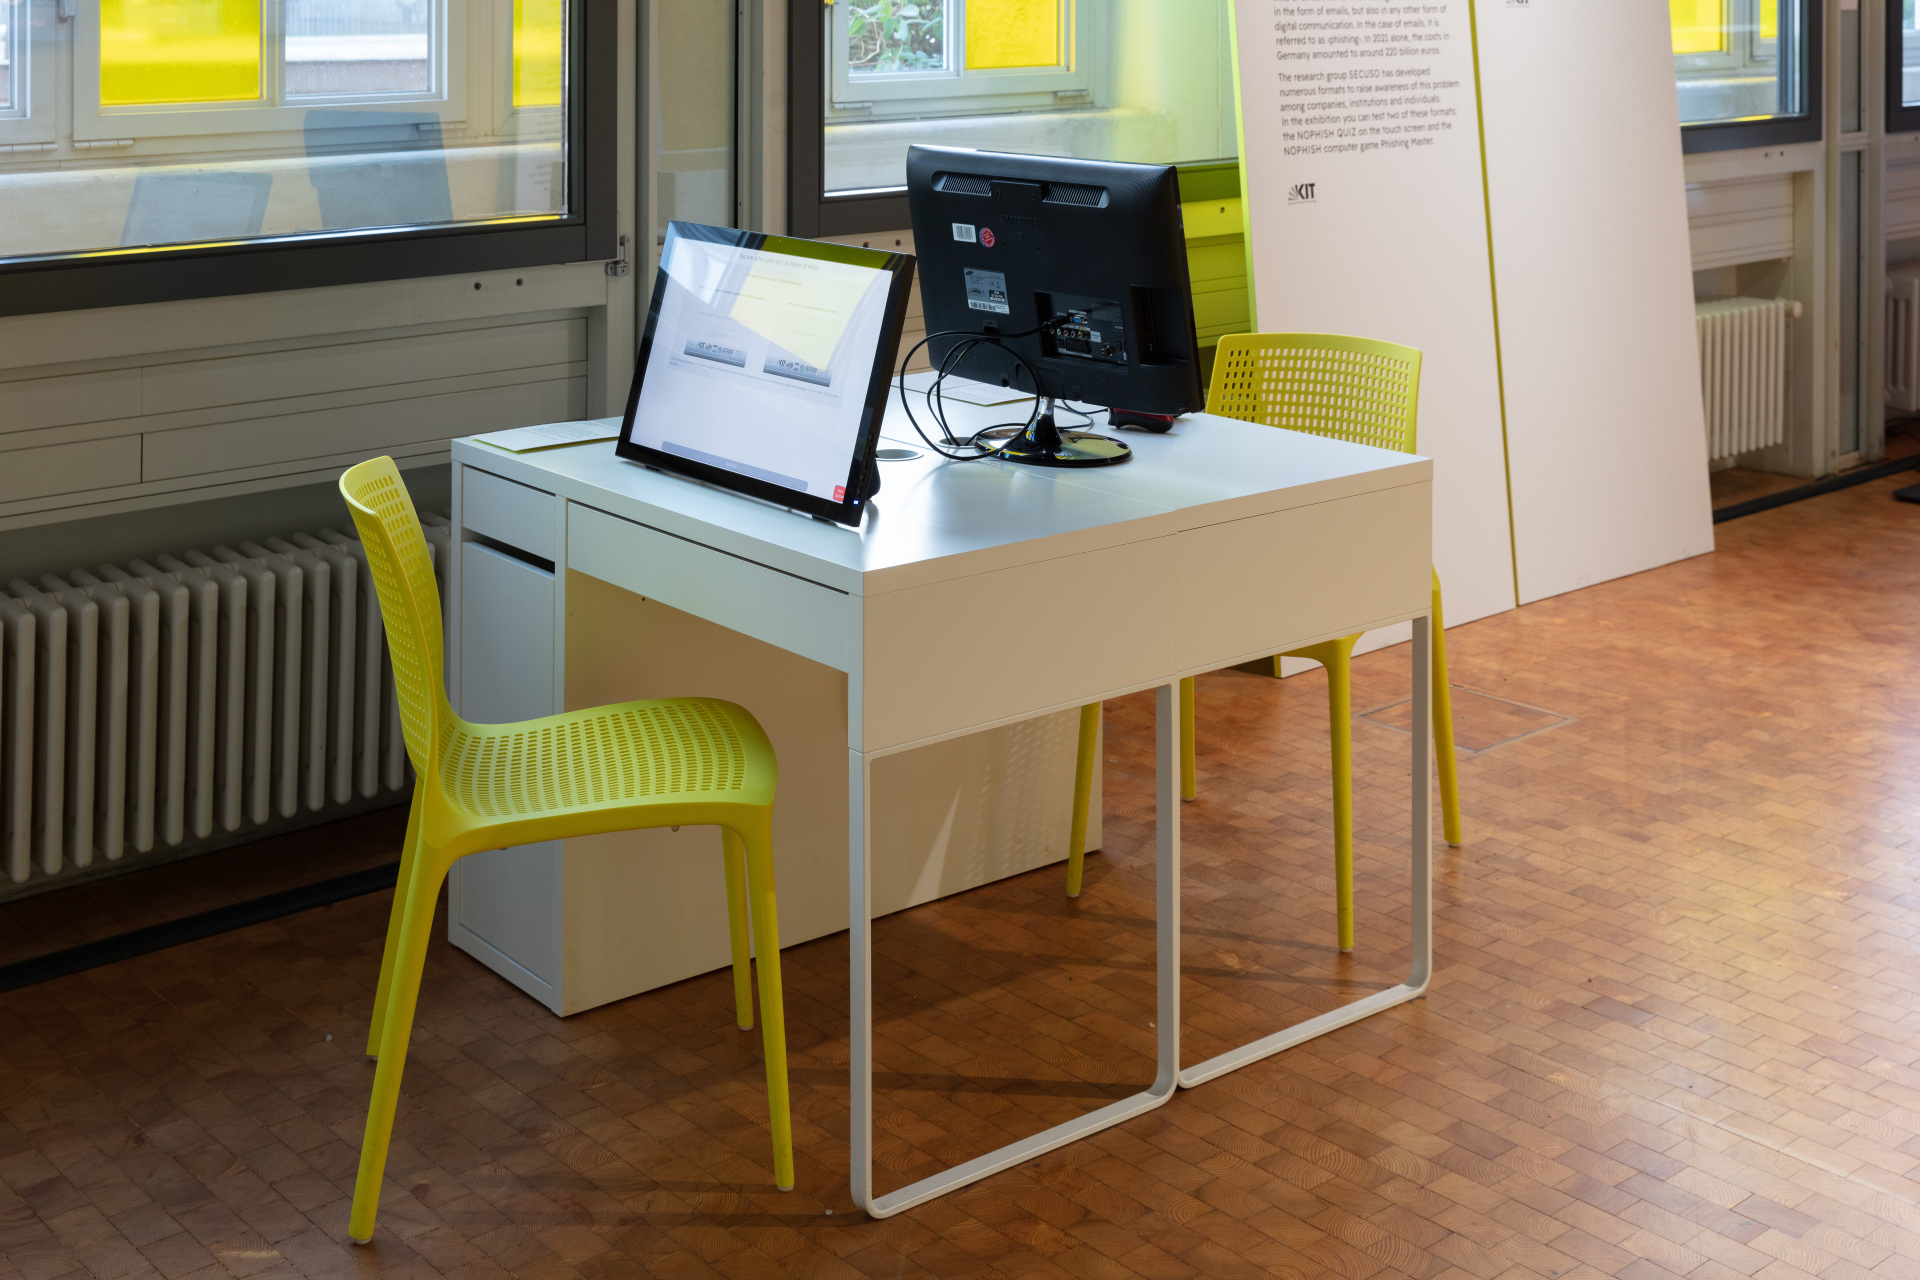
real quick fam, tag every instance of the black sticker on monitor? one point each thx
(987, 291)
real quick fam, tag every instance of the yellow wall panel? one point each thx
(539, 47)
(179, 51)
(1012, 33)
(1769, 19)
(1699, 26)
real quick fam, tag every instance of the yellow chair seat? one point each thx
(586, 769)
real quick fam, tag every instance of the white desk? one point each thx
(1220, 542)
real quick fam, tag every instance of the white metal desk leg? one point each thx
(1420, 965)
(860, 977)
(1167, 1005)
(1420, 886)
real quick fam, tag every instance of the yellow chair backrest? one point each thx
(409, 601)
(1325, 384)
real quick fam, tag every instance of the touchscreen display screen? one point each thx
(761, 362)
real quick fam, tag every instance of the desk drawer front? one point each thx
(516, 515)
(970, 651)
(1259, 585)
(808, 619)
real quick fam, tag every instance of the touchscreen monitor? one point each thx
(764, 365)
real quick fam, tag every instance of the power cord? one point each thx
(936, 402)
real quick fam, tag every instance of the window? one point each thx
(945, 59)
(322, 132)
(693, 128)
(869, 78)
(1746, 70)
(1903, 67)
(9, 61)
(26, 100)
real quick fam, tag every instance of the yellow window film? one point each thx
(1699, 26)
(179, 51)
(539, 45)
(1012, 33)
(1769, 19)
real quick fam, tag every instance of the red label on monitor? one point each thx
(839, 493)
(986, 237)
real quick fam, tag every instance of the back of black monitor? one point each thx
(1084, 259)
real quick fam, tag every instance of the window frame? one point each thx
(274, 110)
(34, 120)
(587, 233)
(1900, 117)
(1733, 135)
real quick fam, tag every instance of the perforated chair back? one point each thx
(409, 601)
(1326, 384)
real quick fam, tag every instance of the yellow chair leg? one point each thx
(1082, 795)
(395, 918)
(735, 855)
(1340, 721)
(1188, 788)
(1443, 726)
(773, 1017)
(410, 957)
(1337, 657)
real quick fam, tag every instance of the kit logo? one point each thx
(1301, 193)
(986, 237)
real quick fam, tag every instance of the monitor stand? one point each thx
(1045, 445)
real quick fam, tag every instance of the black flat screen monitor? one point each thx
(1086, 260)
(764, 366)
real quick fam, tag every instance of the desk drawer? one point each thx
(1252, 587)
(742, 595)
(516, 515)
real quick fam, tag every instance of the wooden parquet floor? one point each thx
(1675, 1027)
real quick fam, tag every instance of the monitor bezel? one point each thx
(861, 467)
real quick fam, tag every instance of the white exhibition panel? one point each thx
(1366, 216)
(1606, 445)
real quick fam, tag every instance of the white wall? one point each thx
(1606, 445)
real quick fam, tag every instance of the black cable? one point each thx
(936, 405)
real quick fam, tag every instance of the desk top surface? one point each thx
(936, 519)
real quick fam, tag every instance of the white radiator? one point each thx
(1903, 337)
(1743, 372)
(155, 705)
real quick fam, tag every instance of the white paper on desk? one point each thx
(552, 435)
(964, 390)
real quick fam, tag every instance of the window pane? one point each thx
(400, 138)
(1909, 55)
(358, 47)
(6, 57)
(892, 36)
(1012, 33)
(1148, 81)
(1699, 26)
(1739, 59)
(155, 51)
(539, 39)
(693, 134)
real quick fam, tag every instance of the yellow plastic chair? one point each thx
(657, 763)
(1353, 389)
